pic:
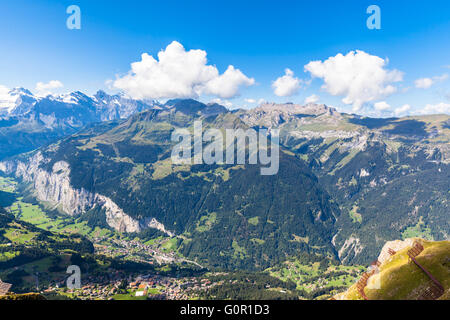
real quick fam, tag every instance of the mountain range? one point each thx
(346, 183)
(28, 121)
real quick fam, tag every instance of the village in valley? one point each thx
(151, 287)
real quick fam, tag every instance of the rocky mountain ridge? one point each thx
(28, 122)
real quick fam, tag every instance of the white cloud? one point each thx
(225, 103)
(7, 101)
(381, 106)
(312, 99)
(180, 74)
(436, 108)
(4, 93)
(405, 89)
(425, 83)
(250, 100)
(358, 77)
(286, 85)
(44, 89)
(227, 85)
(403, 109)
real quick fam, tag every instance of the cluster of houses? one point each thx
(153, 287)
(168, 288)
(147, 253)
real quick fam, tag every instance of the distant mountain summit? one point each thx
(273, 114)
(16, 101)
(28, 121)
(101, 107)
(194, 107)
(112, 107)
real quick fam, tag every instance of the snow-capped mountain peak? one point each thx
(19, 102)
(11, 99)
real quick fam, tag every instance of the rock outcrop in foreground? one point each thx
(400, 278)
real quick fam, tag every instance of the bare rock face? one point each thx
(395, 245)
(273, 115)
(54, 187)
(351, 246)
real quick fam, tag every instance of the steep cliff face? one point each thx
(351, 247)
(54, 187)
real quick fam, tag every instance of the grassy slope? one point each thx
(316, 281)
(403, 280)
(26, 249)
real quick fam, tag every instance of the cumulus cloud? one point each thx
(44, 89)
(358, 77)
(402, 110)
(178, 73)
(381, 106)
(312, 99)
(227, 85)
(436, 108)
(250, 100)
(425, 83)
(225, 103)
(4, 93)
(287, 85)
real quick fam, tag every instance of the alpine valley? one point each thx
(96, 172)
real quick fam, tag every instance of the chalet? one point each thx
(142, 290)
(143, 286)
(140, 293)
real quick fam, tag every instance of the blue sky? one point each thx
(260, 38)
